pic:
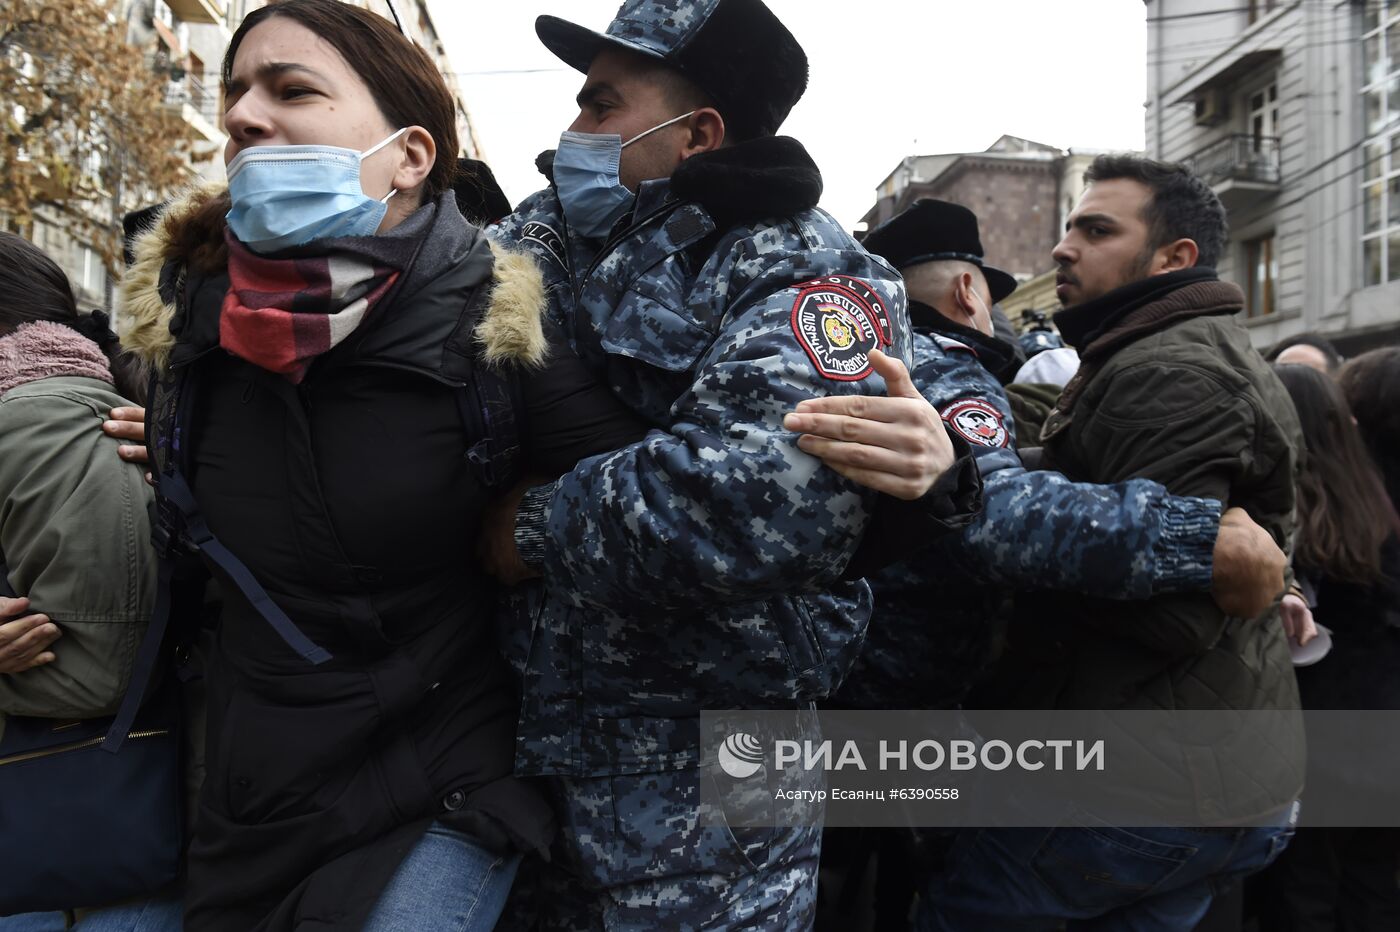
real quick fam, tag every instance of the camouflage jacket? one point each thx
(1037, 530)
(700, 567)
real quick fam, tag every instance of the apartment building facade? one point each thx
(1291, 111)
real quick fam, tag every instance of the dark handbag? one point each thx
(91, 811)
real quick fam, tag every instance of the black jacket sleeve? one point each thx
(568, 414)
(901, 529)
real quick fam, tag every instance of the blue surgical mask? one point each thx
(586, 176)
(285, 196)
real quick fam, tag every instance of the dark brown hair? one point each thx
(1344, 514)
(1183, 206)
(36, 289)
(400, 76)
(1371, 383)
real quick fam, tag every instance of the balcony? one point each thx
(198, 11)
(202, 100)
(1243, 169)
(197, 105)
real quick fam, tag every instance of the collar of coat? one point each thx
(1102, 322)
(772, 176)
(995, 354)
(186, 242)
(1101, 327)
(44, 350)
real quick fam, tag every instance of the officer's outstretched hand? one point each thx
(1247, 573)
(896, 445)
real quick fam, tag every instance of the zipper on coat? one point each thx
(76, 746)
(613, 241)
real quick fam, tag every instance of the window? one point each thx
(1380, 185)
(1258, 9)
(1263, 115)
(1261, 267)
(93, 277)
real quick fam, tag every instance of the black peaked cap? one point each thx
(934, 231)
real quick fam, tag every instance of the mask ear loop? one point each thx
(655, 128)
(375, 148)
(985, 306)
(381, 144)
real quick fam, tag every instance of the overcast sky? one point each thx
(889, 78)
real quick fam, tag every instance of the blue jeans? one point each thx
(1092, 877)
(149, 916)
(448, 883)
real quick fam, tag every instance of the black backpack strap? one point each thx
(143, 670)
(197, 535)
(181, 525)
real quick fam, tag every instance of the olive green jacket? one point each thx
(75, 536)
(1173, 391)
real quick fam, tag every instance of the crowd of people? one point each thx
(438, 524)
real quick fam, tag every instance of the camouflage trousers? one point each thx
(637, 852)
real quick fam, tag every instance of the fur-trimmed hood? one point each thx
(186, 241)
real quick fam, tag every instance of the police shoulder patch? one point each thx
(976, 421)
(838, 320)
(545, 238)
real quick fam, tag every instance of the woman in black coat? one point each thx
(347, 373)
(1347, 558)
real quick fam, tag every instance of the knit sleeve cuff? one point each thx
(1186, 547)
(532, 524)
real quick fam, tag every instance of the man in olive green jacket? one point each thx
(1168, 389)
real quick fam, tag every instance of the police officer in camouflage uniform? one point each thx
(1037, 530)
(702, 567)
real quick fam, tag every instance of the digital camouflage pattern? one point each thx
(649, 856)
(660, 26)
(700, 567)
(1037, 530)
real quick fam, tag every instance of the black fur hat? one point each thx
(736, 51)
(933, 230)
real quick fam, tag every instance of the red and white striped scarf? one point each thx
(281, 313)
